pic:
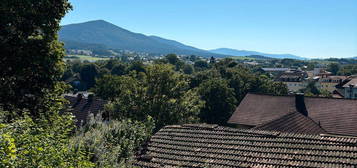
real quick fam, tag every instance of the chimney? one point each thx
(300, 104)
(90, 97)
(79, 97)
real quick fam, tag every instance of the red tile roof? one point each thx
(215, 146)
(335, 116)
(258, 109)
(293, 122)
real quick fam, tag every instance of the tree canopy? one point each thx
(31, 56)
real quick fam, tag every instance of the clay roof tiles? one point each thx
(83, 107)
(216, 146)
(335, 116)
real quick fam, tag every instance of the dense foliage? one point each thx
(31, 56)
(112, 144)
(25, 143)
(35, 130)
(166, 91)
(160, 92)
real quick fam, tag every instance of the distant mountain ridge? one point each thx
(106, 34)
(234, 52)
(100, 34)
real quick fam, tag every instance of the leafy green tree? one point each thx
(201, 65)
(201, 76)
(109, 87)
(333, 68)
(240, 79)
(348, 70)
(161, 93)
(68, 73)
(137, 66)
(111, 63)
(75, 65)
(119, 69)
(187, 69)
(26, 143)
(103, 71)
(243, 81)
(31, 56)
(88, 73)
(172, 59)
(193, 58)
(311, 89)
(220, 101)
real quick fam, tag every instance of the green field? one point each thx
(84, 58)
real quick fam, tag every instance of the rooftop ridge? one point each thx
(268, 133)
(260, 126)
(268, 94)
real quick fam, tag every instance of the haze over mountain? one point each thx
(234, 52)
(100, 34)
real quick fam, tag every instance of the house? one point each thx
(295, 80)
(329, 83)
(350, 88)
(320, 72)
(274, 71)
(81, 107)
(297, 114)
(202, 145)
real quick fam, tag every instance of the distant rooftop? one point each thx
(335, 116)
(275, 69)
(81, 107)
(352, 82)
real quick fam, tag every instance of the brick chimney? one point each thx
(300, 104)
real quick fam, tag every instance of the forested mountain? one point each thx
(100, 33)
(234, 52)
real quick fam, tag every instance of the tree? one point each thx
(172, 59)
(88, 73)
(201, 65)
(119, 69)
(31, 56)
(348, 70)
(103, 71)
(109, 87)
(26, 143)
(333, 68)
(187, 69)
(111, 63)
(220, 101)
(137, 66)
(311, 89)
(161, 93)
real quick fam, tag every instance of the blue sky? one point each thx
(308, 28)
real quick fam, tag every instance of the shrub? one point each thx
(112, 143)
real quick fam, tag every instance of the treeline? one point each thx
(172, 91)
